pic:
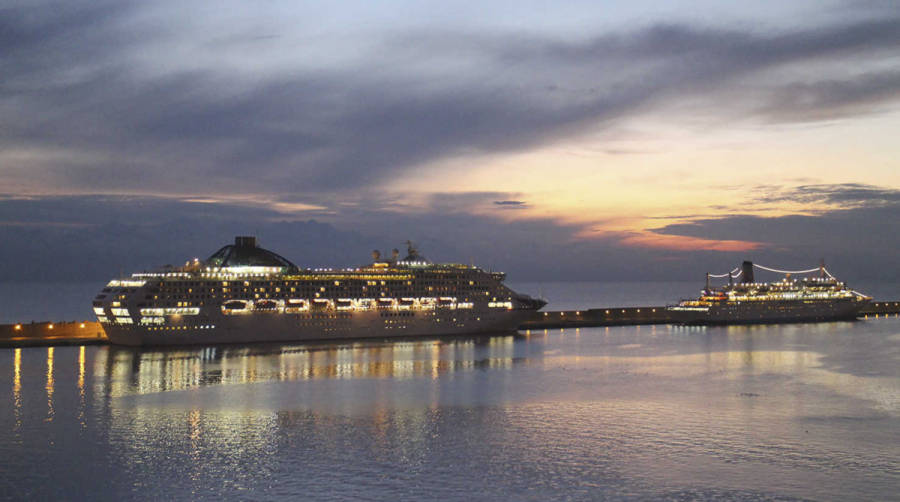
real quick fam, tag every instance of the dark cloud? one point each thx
(860, 237)
(842, 195)
(511, 204)
(90, 118)
(828, 99)
(93, 238)
(85, 107)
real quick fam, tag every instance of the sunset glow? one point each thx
(614, 127)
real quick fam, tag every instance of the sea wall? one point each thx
(613, 316)
(51, 333)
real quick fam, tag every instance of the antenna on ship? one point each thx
(707, 281)
(822, 268)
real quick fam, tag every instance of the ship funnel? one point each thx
(747, 272)
(376, 255)
(245, 242)
(395, 253)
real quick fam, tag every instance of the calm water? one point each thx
(640, 413)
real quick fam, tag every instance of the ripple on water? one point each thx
(780, 414)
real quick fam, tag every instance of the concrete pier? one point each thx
(878, 307)
(51, 333)
(617, 316)
(624, 316)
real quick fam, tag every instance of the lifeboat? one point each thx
(446, 301)
(266, 305)
(235, 305)
(365, 304)
(296, 305)
(344, 304)
(320, 304)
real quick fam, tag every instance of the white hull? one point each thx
(775, 312)
(280, 327)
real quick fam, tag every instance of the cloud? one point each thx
(87, 107)
(511, 204)
(860, 233)
(93, 238)
(845, 195)
(830, 99)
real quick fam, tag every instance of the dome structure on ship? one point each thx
(245, 252)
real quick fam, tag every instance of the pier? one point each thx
(613, 316)
(626, 316)
(35, 334)
(51, 333)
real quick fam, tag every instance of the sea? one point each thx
(750, 413)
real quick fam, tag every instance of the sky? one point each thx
(574, 140)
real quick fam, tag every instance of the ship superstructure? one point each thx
(244, 293)
(805, 299)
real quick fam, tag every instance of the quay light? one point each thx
(81, 325)
(18, 327)
(50, 326)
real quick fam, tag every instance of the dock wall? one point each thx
(881, 308)
(51, 333)
(617, 316)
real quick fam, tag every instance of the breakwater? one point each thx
(878, 308)
(613, 316)
(624, 316)
(51, 333)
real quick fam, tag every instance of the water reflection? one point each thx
(49, 385)
(81, 395)
(641, 410)
(141, 371)
(17, 388)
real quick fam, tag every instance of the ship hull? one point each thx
(778, 312)
(217, 328)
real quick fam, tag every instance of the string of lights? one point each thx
(787, 271)
(732, 274)
(737, 271)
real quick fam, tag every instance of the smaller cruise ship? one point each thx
(806, 299)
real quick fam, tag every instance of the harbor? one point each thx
(46, 333)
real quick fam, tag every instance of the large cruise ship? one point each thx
(244, 293)
(807, 299)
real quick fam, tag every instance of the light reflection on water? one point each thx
(805, 411)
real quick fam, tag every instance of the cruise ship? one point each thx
(805, 299)
(244, 293)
